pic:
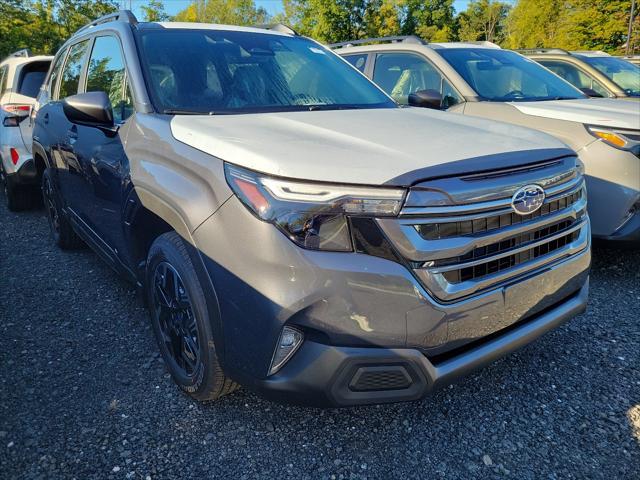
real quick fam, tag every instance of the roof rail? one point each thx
(25, 52)
(278, 27)
(525, 51)
(364, 41)
(119, 16)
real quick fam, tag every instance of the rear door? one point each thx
(63, 133)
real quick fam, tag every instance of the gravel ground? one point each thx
(84, 393)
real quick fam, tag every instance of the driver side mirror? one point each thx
(426, 99)
(590, 92)
(92, 109)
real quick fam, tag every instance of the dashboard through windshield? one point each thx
(504, 76)
(226, 71)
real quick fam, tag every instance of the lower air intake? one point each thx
(368, 379)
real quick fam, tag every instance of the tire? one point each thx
(63, 234)
(181, 321)
(19, 198)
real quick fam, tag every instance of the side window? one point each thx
(3, 78)
(574, 75)
(70, 79)
(400, 74)
(106, 73)
(358, 61)
(55, 73)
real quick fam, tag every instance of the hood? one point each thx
(608, 112)
(370, 147)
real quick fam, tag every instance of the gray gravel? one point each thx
(84, 393)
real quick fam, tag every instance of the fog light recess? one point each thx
(290, 340)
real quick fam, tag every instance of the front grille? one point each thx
(461, 249)
(492, 266)
(437, 231)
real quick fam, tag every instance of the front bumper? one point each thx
(331, 376)
(352, 304)
(613, 188)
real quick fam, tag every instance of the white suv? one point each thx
(21, 75)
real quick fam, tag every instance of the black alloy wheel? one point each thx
(176, 320)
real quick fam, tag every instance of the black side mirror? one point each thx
(426, 99)
(92, 109)
(590, 92)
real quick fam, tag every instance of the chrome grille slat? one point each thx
(483, 245)
(528, 246)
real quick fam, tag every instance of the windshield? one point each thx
(504, 76)
(624, 74)
(217, 71)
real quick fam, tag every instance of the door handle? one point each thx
(46, 118)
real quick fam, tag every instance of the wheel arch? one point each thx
(147, 217)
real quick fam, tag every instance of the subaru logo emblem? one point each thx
(528, 199)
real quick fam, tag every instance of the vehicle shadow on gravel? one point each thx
(85, 394)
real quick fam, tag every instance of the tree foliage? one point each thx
(154, 11)
(42, 26)
(483, 20)
(571, 24)
(232, 12)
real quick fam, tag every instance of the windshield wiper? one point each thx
(175, 111)
(313, 108)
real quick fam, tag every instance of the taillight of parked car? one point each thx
(15, 156)
(14, 114)
(313, 215)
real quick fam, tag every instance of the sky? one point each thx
(272, 6)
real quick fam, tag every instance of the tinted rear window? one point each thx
(31, 78)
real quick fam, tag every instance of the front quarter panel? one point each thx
(180, 184)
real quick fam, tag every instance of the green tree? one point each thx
(230, 12)
(431, 20)
(43, 25)
(154, 11)
(571, 24)
(483, 20)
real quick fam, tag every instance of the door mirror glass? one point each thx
(92, 109)
(426, 99)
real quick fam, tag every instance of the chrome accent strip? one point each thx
(484, 206)
(445, 291)
(412, 246)
(506, 253)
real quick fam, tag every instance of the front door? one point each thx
(100, 152)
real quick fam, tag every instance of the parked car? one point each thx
(597, 74)
(21, 75)
(483, 80)
(635, 59)
(293, 229)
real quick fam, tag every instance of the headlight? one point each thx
(615, 138)
(313, 215)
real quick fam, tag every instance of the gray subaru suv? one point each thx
(293, 229)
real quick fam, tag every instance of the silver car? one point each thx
(483, 80)
(295, 231)
(21, 75)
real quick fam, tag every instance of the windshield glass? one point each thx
(624, 74)
(217, 71)
(504, 76)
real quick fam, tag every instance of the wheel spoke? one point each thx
(175, 318)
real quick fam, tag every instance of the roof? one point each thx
(587, 53)
(273, 30)
(480, 44)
